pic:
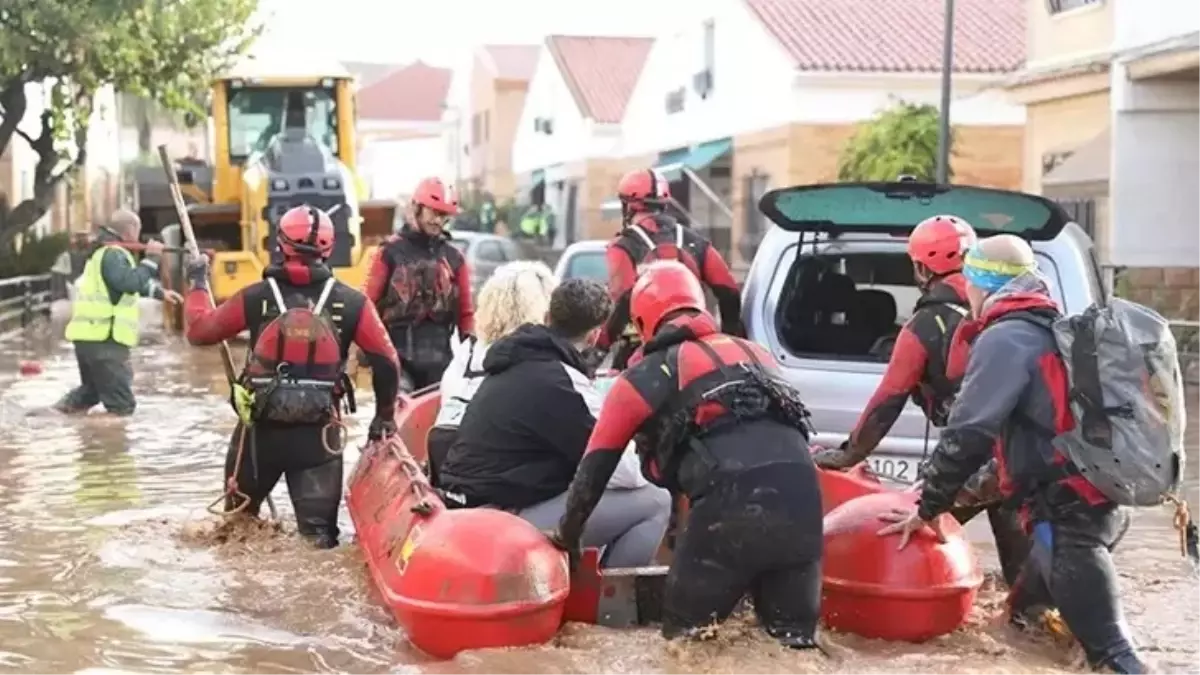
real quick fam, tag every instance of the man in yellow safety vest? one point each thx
(104, 318)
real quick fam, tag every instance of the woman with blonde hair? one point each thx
(517, 293)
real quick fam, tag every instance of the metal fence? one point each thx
(23, 300)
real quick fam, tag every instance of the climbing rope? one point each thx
(341, 434)
(232, 492)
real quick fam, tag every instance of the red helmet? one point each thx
(643, 190)
(664, 286)
(433, 194)
(306, 231)
(940, 242)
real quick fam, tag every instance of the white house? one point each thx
(570, 127)
(745, 95)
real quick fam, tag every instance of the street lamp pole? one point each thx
(943, 158)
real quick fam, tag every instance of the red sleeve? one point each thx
(372, 338)
(621, 272)
(466, 307)
(903, 373)
(624, 410)
(207, 325)
(378, 276)
(716, 271)
(960, 349)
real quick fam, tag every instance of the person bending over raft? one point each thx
(301, 322)
(526, 428)
(713, 422)
(1015, 387)
(926, 365)
(516, 294)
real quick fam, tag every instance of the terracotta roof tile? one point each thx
(368, 73)
(513, 62)
(414, 93)
(600, 71)
(896, 35)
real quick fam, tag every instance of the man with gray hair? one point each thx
(104, 318)
(1014, 401)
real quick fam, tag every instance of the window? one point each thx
(849, 306)
(490, 251)
(587, 265)
(1060, 6)
(258, 114)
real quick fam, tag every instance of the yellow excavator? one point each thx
(281, 137)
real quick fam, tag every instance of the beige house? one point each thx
(499, 83)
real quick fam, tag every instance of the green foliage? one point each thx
(165, 51)
(35, 257)
(902, 139)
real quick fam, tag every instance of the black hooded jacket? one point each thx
(525, 429)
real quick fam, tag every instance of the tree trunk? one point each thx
(45, 182)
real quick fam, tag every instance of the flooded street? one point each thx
(108, 561)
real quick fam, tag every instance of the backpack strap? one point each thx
(637, 230)
(326, 291)
(276, 294)
(679, 237)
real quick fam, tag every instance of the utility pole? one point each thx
(943, 159)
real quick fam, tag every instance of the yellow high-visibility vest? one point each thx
(94, 318)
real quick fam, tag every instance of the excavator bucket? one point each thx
(379, 216)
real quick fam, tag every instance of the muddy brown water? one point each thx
(108, 562)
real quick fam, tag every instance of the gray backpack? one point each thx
(1126, 394)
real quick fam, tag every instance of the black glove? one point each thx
(381, 428)
(834, 458)
(197, 271)
(571, 548)
(593, 358)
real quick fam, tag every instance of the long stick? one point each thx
(943, 158)
(189, 236)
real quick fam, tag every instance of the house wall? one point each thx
(1069, 34)
(392, 168)
(489, 128)
(1138, 23)
(550, 98)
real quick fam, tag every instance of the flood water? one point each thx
(108, 561)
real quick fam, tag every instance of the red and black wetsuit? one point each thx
(422, 287)
(713, 423)
(314, 476)
(660, 237)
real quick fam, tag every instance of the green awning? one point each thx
(671, 163)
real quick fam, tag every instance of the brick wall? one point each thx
(1173, 291)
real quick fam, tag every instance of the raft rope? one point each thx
(232, 491)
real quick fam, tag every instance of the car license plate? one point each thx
(896, 469)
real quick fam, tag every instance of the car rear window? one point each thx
(850, 306)
(587, 265)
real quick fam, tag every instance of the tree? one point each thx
(901, 139)
(166, 51)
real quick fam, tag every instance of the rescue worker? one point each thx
(713, 423)
(920, 369)
(648, 234)
(301, 322)
(421, 285)
(104, 317)
(1014, 393)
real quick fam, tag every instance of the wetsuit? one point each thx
(926, 366)
(1012, 402)
(660, 237)
(714, 424)
(422, 288)
(297, 452)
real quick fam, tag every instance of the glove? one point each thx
(982, 487)
(197, 271)
(593, 358)
(835, 458)
(571, 548)
(381, 428)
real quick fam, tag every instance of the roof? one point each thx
(369, 72)
(896, 35)
(600, 71)
(414, 93)
(512, 62)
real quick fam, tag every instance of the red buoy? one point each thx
(874, 590)
(30, 368)
(839, 487)
(455, 580)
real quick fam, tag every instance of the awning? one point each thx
(671, 164)
(1088, 166)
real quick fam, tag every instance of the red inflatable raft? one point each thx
(455, 580)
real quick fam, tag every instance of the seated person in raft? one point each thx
(517, 293)
(525, 430)
(714, 423)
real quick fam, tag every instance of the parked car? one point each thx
(484, 253)
(583, 260)
(830, 334)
